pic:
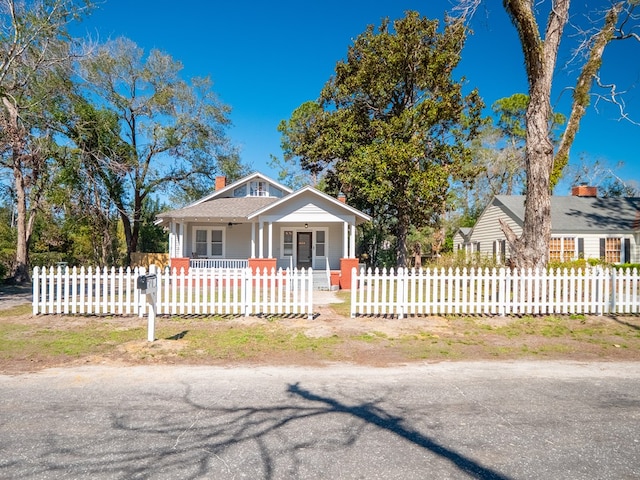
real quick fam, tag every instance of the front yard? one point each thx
(29, 343)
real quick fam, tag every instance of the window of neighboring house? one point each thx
(287, 244)
(612, 250)
(476, 246)
(562, 249)
(259, 188)
(320, 243)
(209, 243)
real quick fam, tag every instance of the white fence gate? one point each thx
(494, 292)
(111, 291)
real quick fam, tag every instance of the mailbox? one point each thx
(147, 283)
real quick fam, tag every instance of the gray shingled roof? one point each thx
(224, 209)
(581, 214)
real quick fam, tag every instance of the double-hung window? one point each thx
(562, 249)
(612, 250)
(287, 243)
(209, 243)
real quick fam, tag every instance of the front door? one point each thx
(304, 250)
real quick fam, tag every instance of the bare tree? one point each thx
(543, 163)
(35, 53)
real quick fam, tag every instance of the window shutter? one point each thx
(495, 248)
(602, 248)
(503, 250)
(627, 251)
(580, 247)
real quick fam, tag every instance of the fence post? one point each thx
(36, 282)
(400, 281)
(247, 294)
(614, 289)
(354, 293)
(309, 286)
(502, 291)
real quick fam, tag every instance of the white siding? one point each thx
(488, 229)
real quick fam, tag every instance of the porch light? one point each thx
(306, 225)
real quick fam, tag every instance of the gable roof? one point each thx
(232, 186)
(360, 216)
(573, 214)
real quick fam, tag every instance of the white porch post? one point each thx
(261, 240)
(345, 240)
(180, 240)
(270, 230)
(352, 241)
(172, 240)
(253, 239)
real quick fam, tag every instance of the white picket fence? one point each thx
(494, 292)
(111, 291)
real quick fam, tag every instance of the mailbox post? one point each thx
(148, 286)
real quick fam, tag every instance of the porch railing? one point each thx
(218, 263)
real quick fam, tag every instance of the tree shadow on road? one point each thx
(378, 417)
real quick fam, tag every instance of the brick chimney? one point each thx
(584, 191)
(342, 197)
(221, 182)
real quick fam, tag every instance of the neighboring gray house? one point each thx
(582, 226)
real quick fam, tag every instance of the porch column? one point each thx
(253, 239)
(270, 230)
(172, 240)
(180, 240)
(261, 240)
(345, 240)
(352, 241)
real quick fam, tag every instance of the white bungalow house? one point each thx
(259, 222)
(582, 226)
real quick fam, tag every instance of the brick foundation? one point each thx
(346, 265)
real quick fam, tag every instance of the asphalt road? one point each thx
(520, 420)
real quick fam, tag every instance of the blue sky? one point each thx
(267, 58)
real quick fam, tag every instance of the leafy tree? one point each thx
(153, 239)
(35, 54)
(391, 126)
(171, 132)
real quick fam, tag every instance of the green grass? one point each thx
(26, 341)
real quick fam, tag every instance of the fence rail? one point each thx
(494, 292)
(111, 291)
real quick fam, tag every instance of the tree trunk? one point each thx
(531, 250)
(402, 231)
(20, 270)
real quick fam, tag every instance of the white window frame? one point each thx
(563, 248)
(258, 188)
(293, 243)
(620, 249)
(315, 242)
(209, 231)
